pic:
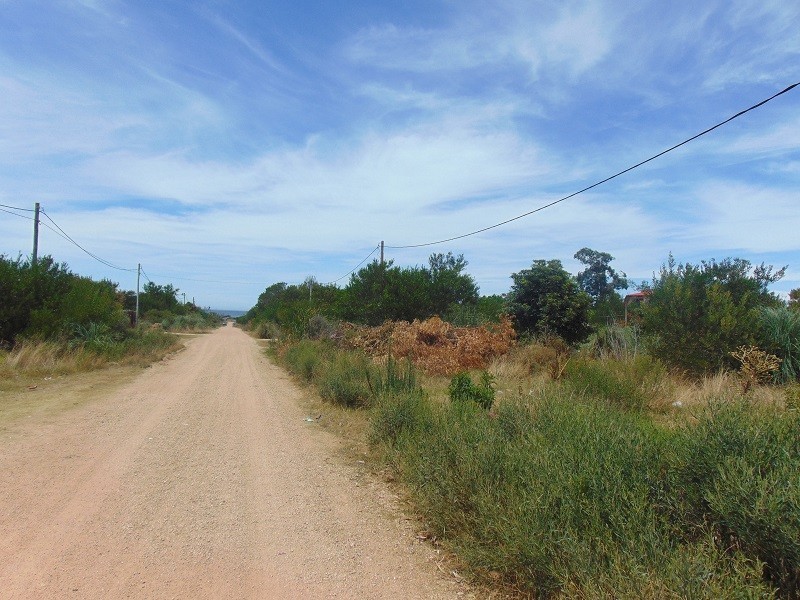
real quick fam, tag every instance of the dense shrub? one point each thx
(462, 389)
(740, 471)
(397, 414)
(696, 315)
(546, 300)
(558, 496)
(304, 359)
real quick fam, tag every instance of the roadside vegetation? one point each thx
(53, 321)
(578, 456)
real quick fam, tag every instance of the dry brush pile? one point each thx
(432, 345)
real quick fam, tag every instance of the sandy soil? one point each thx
(199, 478)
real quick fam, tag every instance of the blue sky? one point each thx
(228, 145)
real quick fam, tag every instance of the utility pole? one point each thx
(381, 251)
(35, 255)
(138, 276)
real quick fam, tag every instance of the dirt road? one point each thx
(200, 479)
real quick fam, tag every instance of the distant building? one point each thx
(635, 298)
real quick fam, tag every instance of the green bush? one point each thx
(319, 327)
(393, 379)
(399, 414)
(345, 380)
(462, 389)
(304, 359)
(580, 499)
(740, 473)
(267, 330)
(696, 315)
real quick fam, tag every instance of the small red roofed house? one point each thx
(635, 297)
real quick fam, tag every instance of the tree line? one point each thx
(46, 300)
(693, 317)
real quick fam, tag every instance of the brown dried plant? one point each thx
(757, 366)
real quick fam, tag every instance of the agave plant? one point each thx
(780, 332)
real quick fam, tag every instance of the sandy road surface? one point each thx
(200, 479)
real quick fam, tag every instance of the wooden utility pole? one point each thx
(138, 276)
(381, 251)
(35, 255)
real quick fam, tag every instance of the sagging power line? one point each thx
(607, 179)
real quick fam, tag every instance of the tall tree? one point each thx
(599, 279)
(546, 300)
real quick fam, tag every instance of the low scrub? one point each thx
(740, 471)
(576, 490)
(347, 377)
(305, 358)
(558, 496)
(266, 330)
(780, 335)
(345, 380)
(633, 384)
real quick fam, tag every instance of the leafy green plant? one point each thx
(267, 330)
(396, 377)
(739, 473)
(546, 300)
(462, 389)
(696, 315)
(399, 414)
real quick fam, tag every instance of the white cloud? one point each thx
(751, 218)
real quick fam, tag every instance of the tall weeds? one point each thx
(576, 491)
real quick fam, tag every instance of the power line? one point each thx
(206, 280)
(374, 250)
(18, 208)
(65, 235)
(15, 214)
(602, 181)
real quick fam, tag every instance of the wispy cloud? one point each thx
(244, 148)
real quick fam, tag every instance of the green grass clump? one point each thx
(305, 359)
(780, 335)
(740, 472)
(631, 384)
(345, 380)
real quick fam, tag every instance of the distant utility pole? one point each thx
(138, 276)
(381, 251)
(35, 255)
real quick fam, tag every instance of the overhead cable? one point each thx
(18, 208)
(15, 214)
(594, 185)
(374, 250)
(65, 235)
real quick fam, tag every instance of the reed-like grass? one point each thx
(34, 357)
